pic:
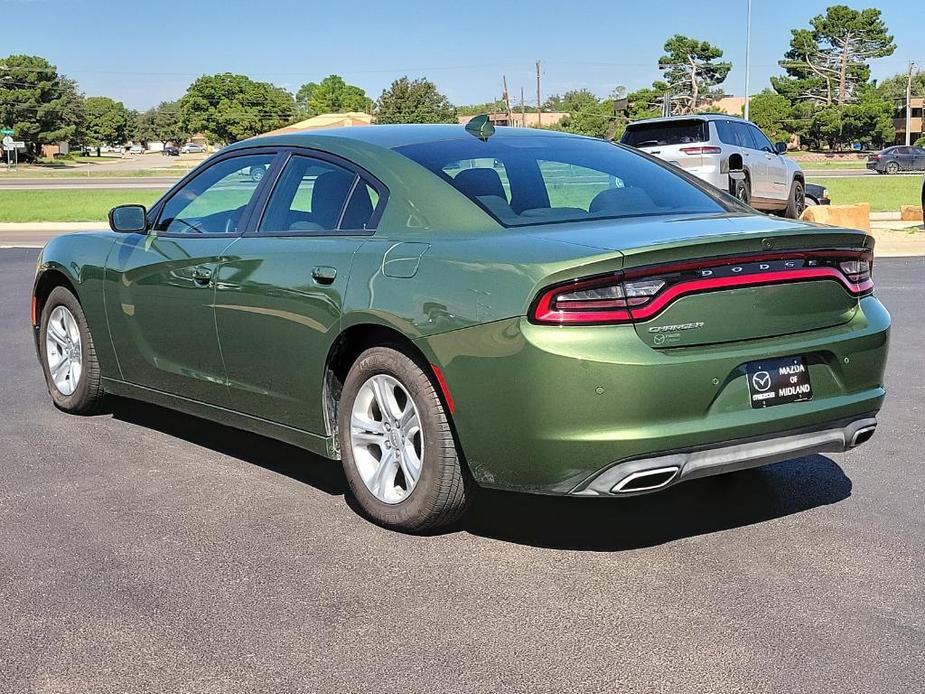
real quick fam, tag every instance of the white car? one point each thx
(136, 149)
(192, 148)
(728, 152)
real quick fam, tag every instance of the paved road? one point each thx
(146, 551)
(75, 182)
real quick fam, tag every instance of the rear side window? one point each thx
(675, 132)
(313, 195)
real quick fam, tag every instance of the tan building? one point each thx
(731, 105)
(899, 122)
(520, 120)
(326, 120)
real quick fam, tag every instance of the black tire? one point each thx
(796, 203)
(88, 394)
(892, 168)
(743, 191)
(442, 492)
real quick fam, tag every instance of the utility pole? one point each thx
(912, 67)
(539, 104)
(507, 100)
(523, 110)
(748, 51)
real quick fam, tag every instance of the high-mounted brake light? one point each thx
(641, 293)
(702, 150)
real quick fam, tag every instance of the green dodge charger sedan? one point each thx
(444, 308)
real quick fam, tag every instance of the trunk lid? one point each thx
(774, 303)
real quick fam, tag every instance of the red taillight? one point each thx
(35, 309)
(702, 150)
(641, 293)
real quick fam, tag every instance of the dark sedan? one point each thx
(892, 160)
(171, 151)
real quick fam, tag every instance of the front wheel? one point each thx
(796, 203)
(397, 448)
(69, 362)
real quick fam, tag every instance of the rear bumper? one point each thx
(543, 409)
(646, 475)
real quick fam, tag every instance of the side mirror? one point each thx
(128, 219)
(781, 147)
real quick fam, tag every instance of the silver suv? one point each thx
(731, 153)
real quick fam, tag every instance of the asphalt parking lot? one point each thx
(146, 551)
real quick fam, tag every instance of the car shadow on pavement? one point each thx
(693, 508)
(270, 454)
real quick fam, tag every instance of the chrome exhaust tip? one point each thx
(863, 434)
(646, 480)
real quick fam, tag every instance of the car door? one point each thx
(754, 160)
(918, 159)
(778, 185)
(279, 291)
(160, 293)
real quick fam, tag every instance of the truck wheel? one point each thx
(743, 191)
(797, 201)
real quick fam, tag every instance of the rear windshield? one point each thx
(542, 179)
(676, 132)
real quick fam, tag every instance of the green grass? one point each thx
(68, 205)
(81, 171)
(884, 193)
(812, 164)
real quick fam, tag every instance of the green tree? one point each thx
(105, 122)
(692, 71)
(647, 102)
(417, 101)
(161, 124)
(331, 95)
(894, 88)
(828, 63)
(772, 113)
(587, 114)
(497, 106)
(228, 107)
(39, 104)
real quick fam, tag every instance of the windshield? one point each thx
(665, 133)
(542, 179)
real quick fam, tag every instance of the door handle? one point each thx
(202, 275)
(324, 274)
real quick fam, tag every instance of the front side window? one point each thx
(313, 195)
(551, 178)
(215, 201)
(761, 140)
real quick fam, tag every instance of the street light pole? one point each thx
(912, 67)
(748, 51)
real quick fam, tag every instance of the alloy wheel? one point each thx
(63, 350)
(386, 438)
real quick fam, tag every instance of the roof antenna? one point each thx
(480, 127)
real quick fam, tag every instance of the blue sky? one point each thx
(146, 52)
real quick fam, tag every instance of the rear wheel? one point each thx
(892, 168)
(797, 201)
(743, 191)
(397, 448)
(72, 372)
